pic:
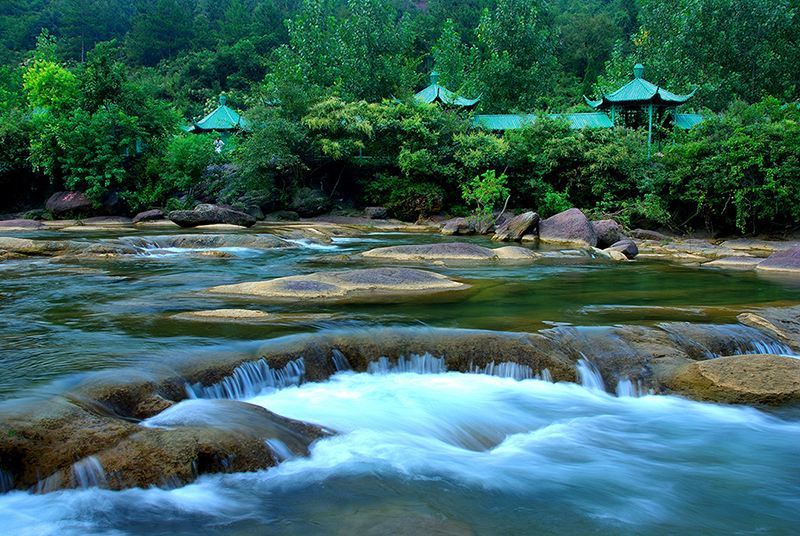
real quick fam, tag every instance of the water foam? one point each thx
(250, 379)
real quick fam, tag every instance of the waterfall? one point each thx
(279, 449)
(589, 375)
(509, 369)
(420, 364)
(628, 388)
(89, 473)
(250, 379)
(340, 361)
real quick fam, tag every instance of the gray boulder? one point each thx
(569, 227)
(515, 228)
(211, 214)
(458, 226)
(608, 232)
(625, 246)
(68, 203)
(149, 215)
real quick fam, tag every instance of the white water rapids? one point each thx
(455, 453)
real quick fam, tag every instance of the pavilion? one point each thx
(639, 103)
(435, 93)
(223, 120)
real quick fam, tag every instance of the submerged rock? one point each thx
(205, 214)
(517, 227)
(741, 379)
(570, 227)
(361, 285)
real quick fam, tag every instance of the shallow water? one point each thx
(444, 453)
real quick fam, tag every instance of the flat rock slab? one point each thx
(367, 285)
(251, 316)
(741, 379)
(735, 263)
(782, 261)
(449, 251)
(21, 225)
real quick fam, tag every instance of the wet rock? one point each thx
(376, 213)
(207, 240)
(375, 284)
(250, 315)
(570, 226)
(205, 214)
(782, 261)
(103, 221)
(782, 323)
(457, 226)
(608, 232)
(515, 228)
(516, 253)
(28, 247)
(735, 263)
(149, 215)
(309, 202)
(626, 246)
(21, 225)
(741, 379)
(68, 203)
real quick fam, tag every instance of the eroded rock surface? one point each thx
(515, 228)
(364, 285)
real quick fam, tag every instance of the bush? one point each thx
(404, 198)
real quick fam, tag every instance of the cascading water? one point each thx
(89, 473)
(508, 369)
(249, 379)
(589, 375)
(628, 388)
(340, 361)
(419, 364)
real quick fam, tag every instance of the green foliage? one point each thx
(740, 171)
(486, 191)
(186, 158)
(405, 198)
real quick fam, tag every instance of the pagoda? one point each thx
(435, 93)
(640, 103)
(223, 119)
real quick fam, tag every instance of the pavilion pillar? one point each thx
(649, 129)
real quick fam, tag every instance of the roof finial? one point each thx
(434, 77)
(638, 70)
(222, 99)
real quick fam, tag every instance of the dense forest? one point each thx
(93, 94)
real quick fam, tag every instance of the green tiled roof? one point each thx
(687, 121)
(222, 119)
(639, 91)
(515, 121)
(436, 93)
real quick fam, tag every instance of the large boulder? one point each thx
(149, 215)
(782, 261)
(626, 246)
(458, 226)
(741, 379)
(449, 251)
(608, 232)
(373, 284)
(310, 202)
(62, 204)
(205, 214)
(568, 227)
(515, 228)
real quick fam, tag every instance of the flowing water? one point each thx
(419, 449)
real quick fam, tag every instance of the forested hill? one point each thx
(520, 54)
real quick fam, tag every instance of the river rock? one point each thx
(735, 263)
(149, 215)
(251, 315)
(782, 261)
(608, 232)
(449, 251)
(205, 214)
(373, 284)
(570, 227)
(28, 247)
(66, 203)
(626, 246)
(21, 225)
(108, 221)
(457, 226)
(782, 323)
(515, 228)
(741, 379)
(376, 213)
(646, 234)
